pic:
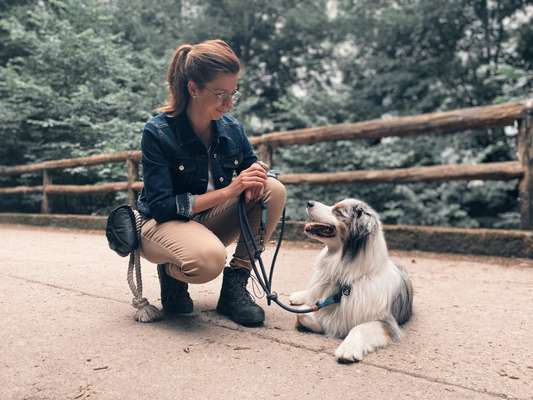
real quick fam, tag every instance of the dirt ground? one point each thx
(68, 332)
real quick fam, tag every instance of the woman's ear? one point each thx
(192, 88)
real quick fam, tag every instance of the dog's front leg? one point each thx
(366, 338)
(309, 322)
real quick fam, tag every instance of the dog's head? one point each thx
(347, 225)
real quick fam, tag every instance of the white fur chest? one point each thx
(370, 296)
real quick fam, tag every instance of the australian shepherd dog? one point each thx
(369, 295)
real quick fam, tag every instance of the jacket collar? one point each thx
(188, 136)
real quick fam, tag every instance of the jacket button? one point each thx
(236, 162)
(215, 155)
(221, 179)
(181, 167)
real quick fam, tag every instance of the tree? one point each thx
(71, 86)
(78, 78)
(410, 57)
(281, 44)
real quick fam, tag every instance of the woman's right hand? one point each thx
(253, 177)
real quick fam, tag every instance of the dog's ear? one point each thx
(361, 226)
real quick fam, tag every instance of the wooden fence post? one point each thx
(525, 157)
(264, 151)
(133, 176)
(45, 206)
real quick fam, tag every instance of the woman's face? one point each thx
(217, 96)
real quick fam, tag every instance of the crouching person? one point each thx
(197, 161)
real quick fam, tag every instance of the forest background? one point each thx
(79, 78)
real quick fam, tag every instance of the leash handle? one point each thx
(254, 253)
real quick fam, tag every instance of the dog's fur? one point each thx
(355, 254)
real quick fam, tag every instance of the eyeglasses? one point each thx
(225, 97)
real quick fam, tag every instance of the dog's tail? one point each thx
(402, 305)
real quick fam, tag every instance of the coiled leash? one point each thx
(254, 253)
(123, 232)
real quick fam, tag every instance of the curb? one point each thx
(488, 242)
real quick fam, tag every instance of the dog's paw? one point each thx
(300, 324)
(297, 298)
(308, 323)
(299, 327)
(362, 340)
(352, 349)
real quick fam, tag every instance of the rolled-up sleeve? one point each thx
(164, 205)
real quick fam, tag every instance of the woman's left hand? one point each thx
(257, 193)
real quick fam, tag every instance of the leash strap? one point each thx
(145, 311)
(264, 279)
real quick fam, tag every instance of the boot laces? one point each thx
(256, 288)
(244, 295)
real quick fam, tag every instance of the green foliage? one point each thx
(70, 86)
(404, 58)
(280, 42)
(77, 90)
(80, 78)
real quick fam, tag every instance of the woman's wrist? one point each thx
(228, 193)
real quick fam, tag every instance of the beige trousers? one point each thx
(195, 250)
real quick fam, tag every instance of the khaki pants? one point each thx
(194, 250)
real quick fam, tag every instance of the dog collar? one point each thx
(345, 290)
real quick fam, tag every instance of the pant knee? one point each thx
(210, 263)
(276, 190)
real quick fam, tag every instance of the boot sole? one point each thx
(243, 322)
(176, 309)
(177, 312)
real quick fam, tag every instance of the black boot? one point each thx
(236, 302)
(174, 295)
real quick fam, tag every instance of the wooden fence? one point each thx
(496, 116)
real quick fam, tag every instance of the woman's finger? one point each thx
(248, 181)
(258, 193)
(260, 173)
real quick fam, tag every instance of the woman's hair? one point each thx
(199, 63)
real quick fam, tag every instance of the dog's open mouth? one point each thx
(318, 229)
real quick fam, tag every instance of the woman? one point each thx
(196, 163)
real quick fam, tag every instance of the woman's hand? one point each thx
(255, 194)
(251, 181)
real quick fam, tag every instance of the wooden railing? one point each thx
(496, 116)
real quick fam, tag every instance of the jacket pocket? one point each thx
(185, 173)
(232, 161)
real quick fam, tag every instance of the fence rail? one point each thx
(440, 122)
(495, 116)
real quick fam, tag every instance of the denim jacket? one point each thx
(175, 162)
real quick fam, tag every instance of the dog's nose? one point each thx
(310, 204)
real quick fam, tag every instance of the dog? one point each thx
(372, 296)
